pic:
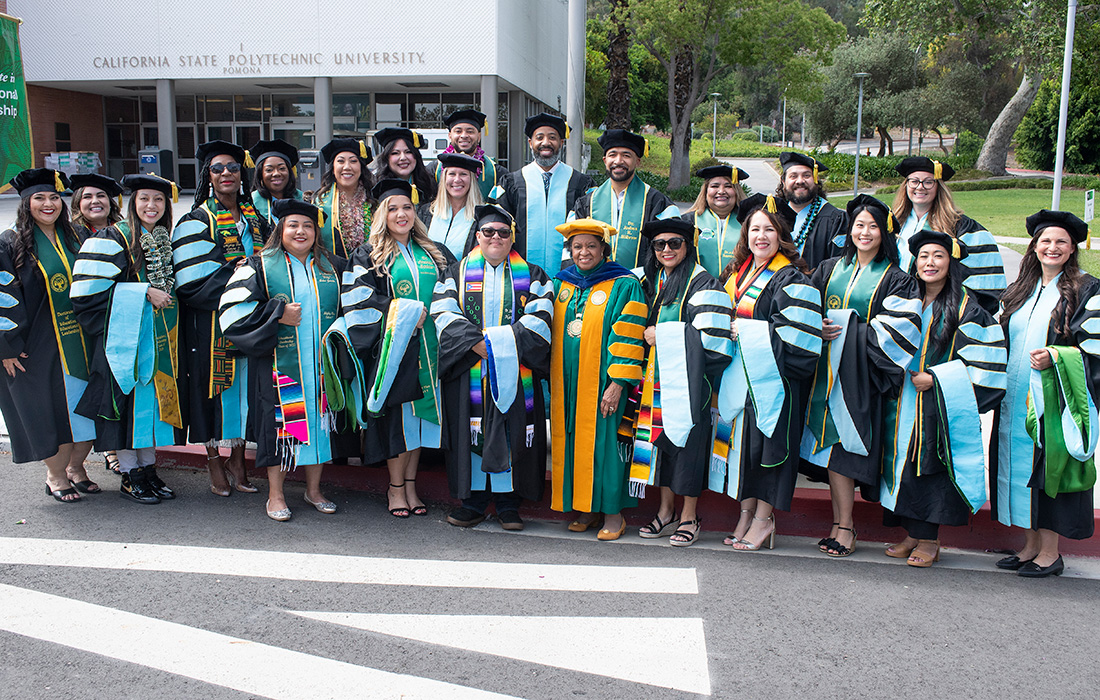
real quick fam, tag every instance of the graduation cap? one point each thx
(722, 170)
(654, 228)
(100, 182)
(924, 164)
(386, 136)
(391, 187)
(493, 213)
(621, 138)
(1044, 218)
(770, 204)
(789, 158)
(211, 149)
(460, 160)
(276, 147)
(282, 208)
(869, 202)
(38, 180)
(152, 182)
(337, 146)
(592, 227)
(544, 119)
(952, 245)
(466, 116)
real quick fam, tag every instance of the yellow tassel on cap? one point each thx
(57, 182)
(320, 218)
(889, 223)
(937, 170)
(695, 238)
(645, 151)
(815, 172)
(736, 176)
(415, 195)
(1088, 239)
(416, 140)
(955, 252)
(771, 205)
(120, 201)
(363, 154)
(295, 171)
(567, 131)
(248, 162)
(175, 194)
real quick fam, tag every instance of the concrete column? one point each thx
(489, 107)
(322, 110)
(574, 83)
(166, 121)
(517, 141)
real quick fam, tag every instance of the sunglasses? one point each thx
(498, 232)
(672, 243)
(219, 168)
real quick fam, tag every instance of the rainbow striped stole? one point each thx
(748, 283)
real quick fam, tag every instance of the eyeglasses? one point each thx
(219, 168)
(490, 232)
(672, 243)
(919, 184)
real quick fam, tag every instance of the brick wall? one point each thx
(82, 111)
(4, 6)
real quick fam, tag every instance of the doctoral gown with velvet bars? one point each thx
(38, 411)
(707, 348)
(876, 376)
(505, 435)
(932, 496)
(983, 266)
(769, 465)
(255, 333)
(202, 271)
(540, 244)
(365, 295)
(104, 261)
(1017, 471)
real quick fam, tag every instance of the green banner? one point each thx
(15, 122)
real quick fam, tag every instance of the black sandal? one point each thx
(824, 542)
(840, 550)
(402, 512)
(420, 509)
(59, 495)
(689, 536)
(110, 462)
(655, 528)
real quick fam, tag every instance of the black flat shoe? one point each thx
(465, 517)
(1012, 563)
(1033, 570)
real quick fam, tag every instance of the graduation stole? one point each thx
(292, 424)
(165, 338)
(329, 202)
(849, 287)
(263, 205)
(545, 210)
(647, 397)
(222, 365)
(625, 245)
(419, 284)
(808, 225)
(55, 262)
(1068, 423)
(516, 289)
(724, 244)
(745, 287)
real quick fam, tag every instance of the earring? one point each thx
(211, 189)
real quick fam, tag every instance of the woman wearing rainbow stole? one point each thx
(386, 292)
(123, 296)
(871, 329)
(493, 312)
(688, 346)
(275, 309)
(43, 349)
(208, 243)
(777, 334)
(596, 361)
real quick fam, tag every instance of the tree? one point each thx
(618, 67)
(1029, 35)
(595, 72)
(696, 41)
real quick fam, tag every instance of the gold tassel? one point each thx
(415, 195)
(1088, 239)
(955, 251)
(58, 185)
(645, 151)
(416, 140)
(567, 131)
(771, 205)
(120, 201)
(736, 176)
(320, 218)
(937, 170)
(248, 160)
(295, 171)
(815, 171)
(890, 223)
(363, 152)
(175, 194)
(695, 237)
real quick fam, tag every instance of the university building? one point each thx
(120, 77)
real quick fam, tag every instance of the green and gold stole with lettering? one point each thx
(55, 262)
(419, 285)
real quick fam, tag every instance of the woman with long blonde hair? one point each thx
(450, 216)
(386, 292)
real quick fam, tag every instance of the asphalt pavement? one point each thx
(206, 597)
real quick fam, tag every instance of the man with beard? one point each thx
(464, 132)
(624, 202)
(819, 225)
(541, 194)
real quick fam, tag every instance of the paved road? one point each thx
(205, 597)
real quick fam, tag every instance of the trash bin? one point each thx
(309, 171)
(156, 161)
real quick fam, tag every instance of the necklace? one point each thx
(804, 232)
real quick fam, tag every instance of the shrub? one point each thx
(967, 147)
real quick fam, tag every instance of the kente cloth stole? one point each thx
(647, 424)
(222, 365)
(808, 224)
(165, 338)
(849, 287)
(55, 262)
(291, 421)
(516, 289)
(724, 244)
(625, 244)
(750, 282)
(419, 284)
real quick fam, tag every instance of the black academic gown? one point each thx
(656, 202)
(826, 237)
(514, 200)
(255, 336)
(383, 436)
(199, 291)
(506, 441)
(33, 402)
(103, 396)
(424, 213)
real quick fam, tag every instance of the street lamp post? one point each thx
(784, 118)
(714, 131)
(1063, 106)
(859, 132)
